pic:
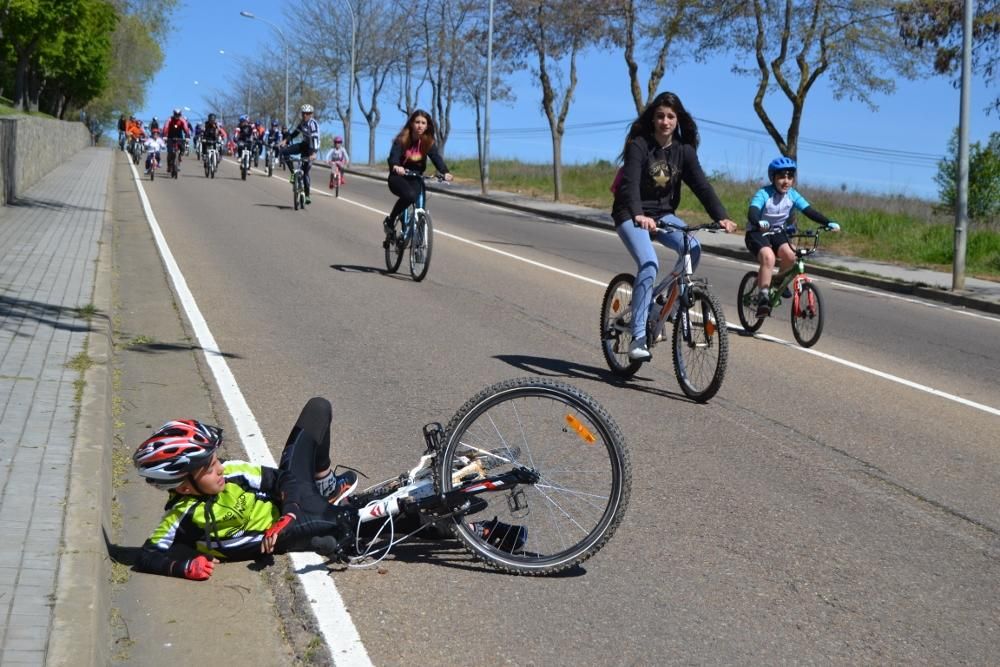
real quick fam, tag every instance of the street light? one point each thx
(350, 84)
(251, 15)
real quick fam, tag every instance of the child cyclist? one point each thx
(234, 510)
(338, 156)
(770, 223)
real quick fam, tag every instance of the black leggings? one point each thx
(302, 149)
(306, 453)
(407, 188)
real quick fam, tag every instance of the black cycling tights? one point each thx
(301, 149)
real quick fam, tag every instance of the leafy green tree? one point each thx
(984, 178)
(935, 26)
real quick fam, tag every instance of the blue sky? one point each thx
(888, 150)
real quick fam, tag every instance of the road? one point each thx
(829, 507)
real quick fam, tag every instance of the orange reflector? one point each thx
(616, 305)
(709, 328)
(581, 430)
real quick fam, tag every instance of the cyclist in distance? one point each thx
(307, 148)
(771, 211)
(121, 131)
(210, 134)
(154, 124)
(234, 510)
(244, 135)
(339, 157)
(176, 130)
(660, 153)
(410, 151)
(274, 135)
(153, 145)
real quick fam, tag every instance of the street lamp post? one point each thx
(350, 83)
(251, 15)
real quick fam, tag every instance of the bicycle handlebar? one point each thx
(710, 226)
(409, 173)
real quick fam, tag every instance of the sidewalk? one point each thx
(978, 294)
(49, 246)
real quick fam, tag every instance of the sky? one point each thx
(843, 143)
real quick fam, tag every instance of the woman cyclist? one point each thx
(410, 151)
(659, 154)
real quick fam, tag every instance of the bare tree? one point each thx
(551, 34)
(325, 32)
(853, 43)
(663, 29)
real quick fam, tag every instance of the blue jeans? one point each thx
(639, 243)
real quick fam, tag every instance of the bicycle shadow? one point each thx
(356, 268)
(280, 207)
(560, 368)
(442, 553)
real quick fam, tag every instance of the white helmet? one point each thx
(306, 108)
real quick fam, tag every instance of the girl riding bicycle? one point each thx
(769, 221)
(659, 154)
(410, 151)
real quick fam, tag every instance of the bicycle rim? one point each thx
(807, 314)
(420, 246)
(394, 247)
(616, 326)
(700, 358)
(579, 456)
(746, 303)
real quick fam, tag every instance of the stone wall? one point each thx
(31, 147)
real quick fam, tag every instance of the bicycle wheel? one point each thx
(575, 453)
(243, 172)
(807, 313)
(700, 363)
(270, 167)
(746, 303)
(295, 191)
(394, 245)
(616, 325)
(152, 172)
(420, 246)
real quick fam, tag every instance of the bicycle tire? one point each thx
(394, 245)
(152, 172)
(580, 491)
(807, 313)
(270, 168)
(421, 245)
(700, 364)
(746, 303)
(243, 172)
(616, 326)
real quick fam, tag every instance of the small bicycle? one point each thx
(541, 458)
(298, 184)
(152, 163)
(807, 305)
(700, 341)
(414, 230)
(335, 178)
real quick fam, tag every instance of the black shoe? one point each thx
(502, 536)
(387, 226)
(763, 306)
(345, 485)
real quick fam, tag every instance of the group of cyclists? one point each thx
(246, 135)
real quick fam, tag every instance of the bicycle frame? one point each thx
(796, 273)
(675, 285)
(410, 212)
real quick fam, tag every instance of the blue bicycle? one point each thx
(413, 230)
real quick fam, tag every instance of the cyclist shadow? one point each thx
(280, 207)
(549, 367)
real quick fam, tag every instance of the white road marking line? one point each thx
(331, 613)
(822, 355)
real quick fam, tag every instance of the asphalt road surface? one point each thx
(831, 507)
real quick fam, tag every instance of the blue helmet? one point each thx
(244, 118)
(780, 164)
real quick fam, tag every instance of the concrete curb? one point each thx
(81, 633)
(866, 280)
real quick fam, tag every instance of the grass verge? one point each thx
(895, 229)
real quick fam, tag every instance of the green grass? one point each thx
(895, 229)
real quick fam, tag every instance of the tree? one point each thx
(655, 27)
(853, 43)
(984, 178)
(936, 26)
(550, 34)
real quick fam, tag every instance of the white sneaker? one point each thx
(637, 350)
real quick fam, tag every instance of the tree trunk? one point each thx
(557, 165)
